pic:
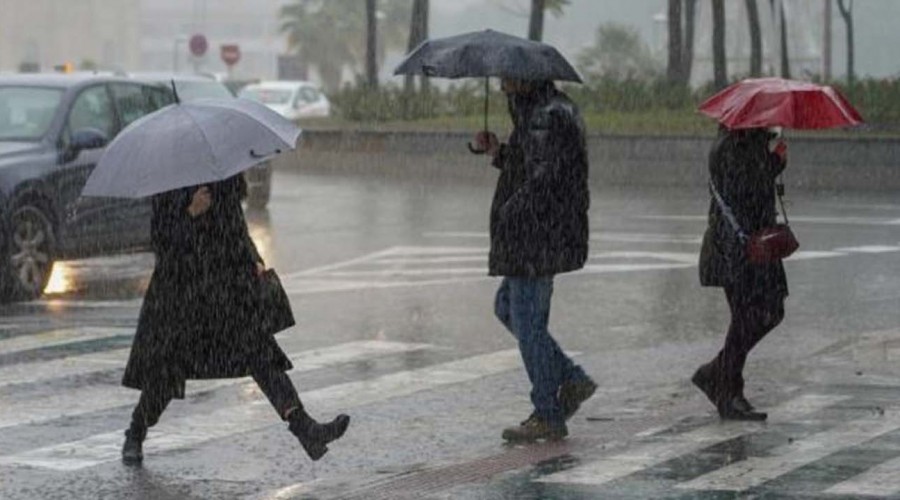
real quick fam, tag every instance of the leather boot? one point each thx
(314, 436)
(132, 450)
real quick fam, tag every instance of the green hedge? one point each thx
(877, 100)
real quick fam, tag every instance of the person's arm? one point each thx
(172, 228)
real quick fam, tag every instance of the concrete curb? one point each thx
(815, 163)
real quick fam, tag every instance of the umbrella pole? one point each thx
(487, 97)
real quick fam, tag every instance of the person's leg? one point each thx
(145, 415)
(753, 317)
(529, 316)
(282, 394)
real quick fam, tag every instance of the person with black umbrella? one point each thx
(539, 228)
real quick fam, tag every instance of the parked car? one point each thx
(53, 129)
(291, 99)
(190, 87)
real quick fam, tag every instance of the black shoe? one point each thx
(705, 381)
(132, 450)
(733, 409)
(741, 403)
(572, 394)
(535, 428)
(314, 436)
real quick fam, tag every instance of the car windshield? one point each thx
(268, 96)
(26, 112)
(188, 91)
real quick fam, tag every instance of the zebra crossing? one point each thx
(822, 425)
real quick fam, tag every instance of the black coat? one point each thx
(744, 172)
(539, 222)
(198, 319)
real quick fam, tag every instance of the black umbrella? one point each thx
(485, 54)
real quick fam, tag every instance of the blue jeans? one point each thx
(523, 306)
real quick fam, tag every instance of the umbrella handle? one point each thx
(476, 151)
(254, 154)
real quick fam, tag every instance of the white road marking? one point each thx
(869, 249)
(191, 431)
(644, 456)
(60, 337)
(881, 480)
(95, 398)
(71, 366)
(754, 471)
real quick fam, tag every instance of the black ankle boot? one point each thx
(132, 450)
(314, 436)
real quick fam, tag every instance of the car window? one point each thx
(132, 102)
(160, 97)
(93, 109)
(309, 94)
(26, 112)
(191, 90)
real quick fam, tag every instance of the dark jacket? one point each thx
(744, 172)
(198, 319)
(539, 222)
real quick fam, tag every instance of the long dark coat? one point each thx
(744, 172)
(199, 313)
(539, 221)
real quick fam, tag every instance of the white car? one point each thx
(291, 99)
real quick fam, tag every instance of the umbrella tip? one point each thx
(175, 92)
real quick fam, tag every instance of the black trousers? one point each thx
(753, 315)
(274, 383)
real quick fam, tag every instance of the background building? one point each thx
(39, 34)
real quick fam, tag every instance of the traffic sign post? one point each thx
(198, 45)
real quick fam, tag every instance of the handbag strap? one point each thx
(779, 191)
(726, 211)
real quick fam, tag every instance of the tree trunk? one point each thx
(674, 68)
(720, 62)
(371, 45)
(826, 43)
(755, 38)
(847, 14)
(536, 23)
(785, 56)
(418, 33)
(687, 53)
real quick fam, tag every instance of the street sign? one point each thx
(198, 45)
(231, 54)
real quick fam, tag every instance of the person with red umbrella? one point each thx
(743, 245)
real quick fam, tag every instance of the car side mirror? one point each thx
(87, 138)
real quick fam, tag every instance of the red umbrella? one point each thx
(776, 102)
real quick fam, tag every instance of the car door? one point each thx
(133, 101)
(84, 221)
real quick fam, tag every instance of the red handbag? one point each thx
(771, 244)
(767, 245)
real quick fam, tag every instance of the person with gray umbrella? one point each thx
(539, 216)
(207, 312)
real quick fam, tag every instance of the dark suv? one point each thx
(53, 129)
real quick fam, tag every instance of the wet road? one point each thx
(395, 326)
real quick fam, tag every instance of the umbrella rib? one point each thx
(215, 159)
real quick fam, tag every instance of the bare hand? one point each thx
(781, 151)
(487, 142)
(200, 202)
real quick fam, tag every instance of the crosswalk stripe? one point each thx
(193, 430)
(754, 471)
(881, 480)
(647, 455)
(64, 367)
(60, 337)
(95, 398)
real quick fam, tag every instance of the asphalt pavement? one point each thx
(387, 277)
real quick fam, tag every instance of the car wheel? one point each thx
(29, 261)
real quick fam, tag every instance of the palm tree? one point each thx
(332, 34)
(536, 19)
(371, 45)
(687, 52)
(674, 67)
(418, 33)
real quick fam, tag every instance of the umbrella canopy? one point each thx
(187, 144)
(776, 102)
(485, 54)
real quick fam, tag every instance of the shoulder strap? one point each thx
(726, 211)
(779, 191)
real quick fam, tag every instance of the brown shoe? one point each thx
(533, 429)
(572, 394)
